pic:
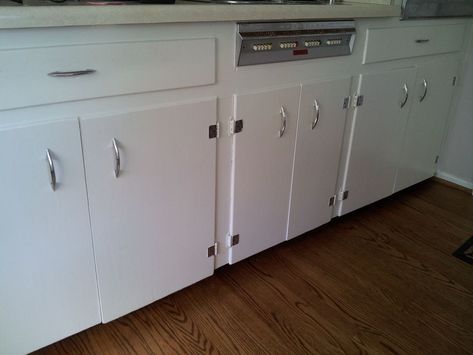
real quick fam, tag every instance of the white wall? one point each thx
(456, 159)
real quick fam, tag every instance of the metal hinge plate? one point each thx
(214, 131)
(212, 250)
(359, 99)
(233, 240)
(236, 126)
(331, 200)
(454, 81)
(343, 195)
(346, 102)
(437, 159)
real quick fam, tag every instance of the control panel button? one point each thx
(334, 42)
(286, 45)
(262, 47)
(312, 43)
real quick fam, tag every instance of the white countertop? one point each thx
(54, 16)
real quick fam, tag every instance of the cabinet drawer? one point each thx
(395, 43)
(116, 69)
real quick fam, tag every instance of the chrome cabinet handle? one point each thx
(422, 97)
(52, 171)
(317, 113)
(422, 40)
(117, 157)
(406, 95)
(62, 74)
(283, 114)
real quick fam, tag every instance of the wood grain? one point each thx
(377, 281)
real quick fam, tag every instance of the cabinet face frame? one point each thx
(154, 221)
(47, 269)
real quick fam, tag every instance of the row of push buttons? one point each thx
(263, 47)
(313, 43)
(285, 45)
(331, 42)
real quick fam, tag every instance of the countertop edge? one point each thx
(64, 16)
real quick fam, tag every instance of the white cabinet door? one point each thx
(153, 223)
(318, 146)
(425, 128)
(262, 168)
(376, 136)
(48, 288)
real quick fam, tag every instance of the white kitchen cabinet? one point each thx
(152, 210)
(75, 72)
(48, 287)
(426, 125)
(262, 168)
(376, 136)
(320, 131)
(384, 44)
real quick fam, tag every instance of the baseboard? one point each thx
(455, 180)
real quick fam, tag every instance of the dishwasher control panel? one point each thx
(272, 42)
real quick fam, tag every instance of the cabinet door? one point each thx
(262, 169)
(153, 222)
(376, 138)
(48, 288)
(318, 146)
(425, 128)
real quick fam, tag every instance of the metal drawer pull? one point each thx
(422, 97)
(317, 113)
(63, 74)
(424, 40)
(52, 171)
(282, 112)
(406, 95)
(117, 157)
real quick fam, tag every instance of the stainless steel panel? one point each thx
(259, 43)
(268, 2)
(437, 8)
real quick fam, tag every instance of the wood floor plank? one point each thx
(380, 280)
(374, 305)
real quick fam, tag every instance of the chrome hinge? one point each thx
(212, 250)
(343, 195)
(454, 81)
(233, 240)
(331, 200)
(346, 102)
(437, 159)
(214, 131)
(359, 99)
(236, 126)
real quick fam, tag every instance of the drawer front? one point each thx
(396, 43)
(113, 69)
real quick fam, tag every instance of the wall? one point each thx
(456, 159)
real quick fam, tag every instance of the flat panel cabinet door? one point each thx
(425, 128)
(48, 288)
(263, 158)
(151, 182)
(318, 146)
(376, 138)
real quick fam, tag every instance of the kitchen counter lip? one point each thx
(12, 17)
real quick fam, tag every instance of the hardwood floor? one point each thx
(380, 280)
